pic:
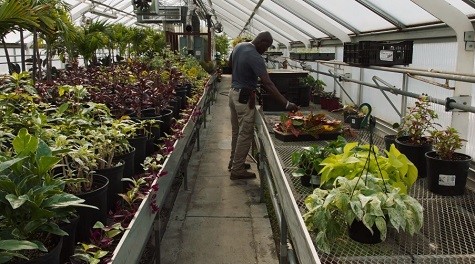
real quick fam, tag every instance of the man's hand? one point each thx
(292, 107)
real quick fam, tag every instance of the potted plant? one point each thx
(329, 101)
(447, 170)
(364, 207)
(298, 126)
(317, 88)
(415, 126)
(33, 203)
(396, 168)
(308, 161)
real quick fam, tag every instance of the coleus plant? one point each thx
(298, 123)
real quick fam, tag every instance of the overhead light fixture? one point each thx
(102, 13)
(142, 25)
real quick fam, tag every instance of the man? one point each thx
(247, 65)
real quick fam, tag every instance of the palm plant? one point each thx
(90, 39)
(63, 30)
(15, 15)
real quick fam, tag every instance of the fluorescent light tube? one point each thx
(102, 13)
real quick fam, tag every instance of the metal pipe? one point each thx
(387, 97)
(452, 76)
(394, 90)
(341, 87)
(434, 71)
(291, 258)
(251, 16)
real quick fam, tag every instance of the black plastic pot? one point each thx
(189, 89)
(114, 175)
(305, 180)
(139, 143)
(175, 105)
(69, 241)
(52, 257)
(310, 180)
(447, 177)
(166, 116)
(89, 216)
(149, 147)
(415, 153)
(360, 233)
(149, 112)
(388, 140)
(355, 121)
(128, 158)
(181, 92)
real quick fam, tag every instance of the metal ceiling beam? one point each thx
(231, 7)
(288, 22)
(228, 9)
(332, 16)
(231, 28)
(281, 13)
(252, 15)
(271, 18)
(378, 11)
(470, 3)
(298, 9)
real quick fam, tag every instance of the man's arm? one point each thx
(269, 86)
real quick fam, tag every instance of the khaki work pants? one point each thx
(242, 122)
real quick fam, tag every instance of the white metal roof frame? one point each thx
(297, 21)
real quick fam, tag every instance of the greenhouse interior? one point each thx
(247, 131)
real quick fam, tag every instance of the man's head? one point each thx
(262, 41)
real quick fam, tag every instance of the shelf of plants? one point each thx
(134, 239)
(68, 135)
(446, 235)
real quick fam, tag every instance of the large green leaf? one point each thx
(62, 200)
(17, 245)
(7, 164)
(16, 201)
(45, 164)
(25, 143)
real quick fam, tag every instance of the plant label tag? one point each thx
(446, 180)
(386, 55)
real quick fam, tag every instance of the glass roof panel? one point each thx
(405, 11)
(462, 6)
(365, 20)
(292, 19)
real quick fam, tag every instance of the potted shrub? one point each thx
(447, 170)
(415, 126)
(33, 203)
(308, 161)
(364, 207)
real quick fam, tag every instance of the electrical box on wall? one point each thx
(200, 51)
(159, 14)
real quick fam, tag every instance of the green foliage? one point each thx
(446, 142)
(317, 86)
(222, 44)
(101, 240)
(418, 121)
(309, 158)
(396, 169)
(32, 201)
(366, 199)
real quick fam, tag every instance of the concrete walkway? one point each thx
(218, 220)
